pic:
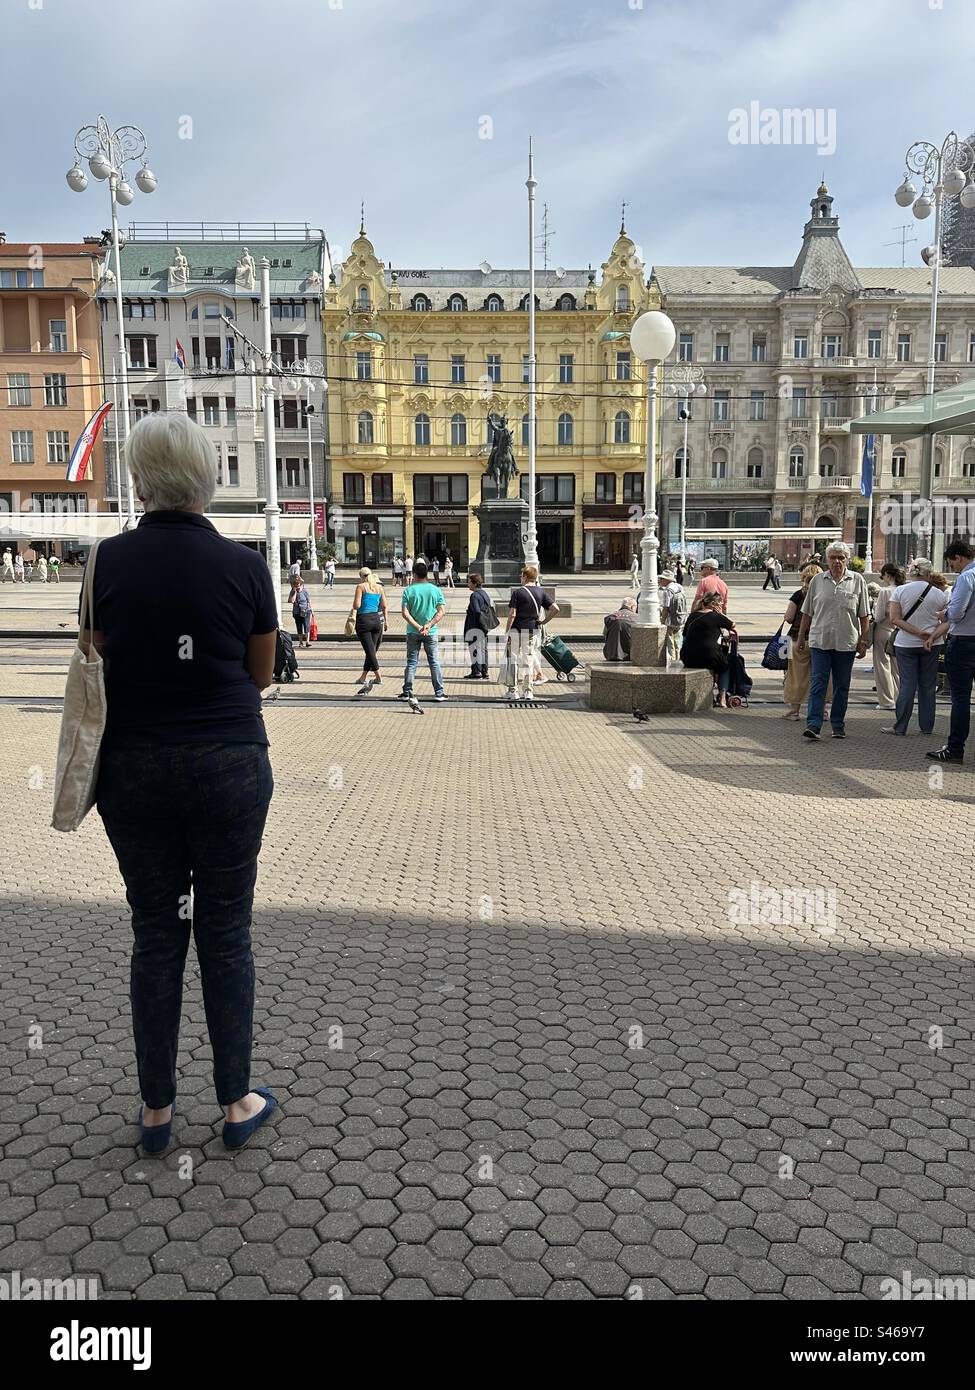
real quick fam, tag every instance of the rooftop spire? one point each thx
(623, 218)
(362, 218)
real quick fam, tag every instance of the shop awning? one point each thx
(611, 524)
(747, 533)
(88, 527)
(946, 412)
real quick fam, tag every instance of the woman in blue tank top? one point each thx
(369, 614)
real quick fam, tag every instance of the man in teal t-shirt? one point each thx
(423, 607)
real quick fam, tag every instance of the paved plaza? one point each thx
(556, 1004)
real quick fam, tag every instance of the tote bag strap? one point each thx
(88, 599)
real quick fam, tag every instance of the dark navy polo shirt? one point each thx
(176, 602)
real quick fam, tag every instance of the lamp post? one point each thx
(685, 382)
(107, 152)
(945, 173)
(531, 539)
(313, 370)
(652, 338)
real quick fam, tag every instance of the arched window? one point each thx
(898, 463)
(524, 431)
(939, 460)
(754, 463)
(679, 463)
(365, 425)
(797, 461)
(827, 461)
(421, 430)
(968, 463)
(621, 427)
(458, 430)
(524, 302)
(719, 463)
(622, 298)
(494, 303)
(565, 302)
(456, 304)
(565, 428)
(420, 303)
(362, 297)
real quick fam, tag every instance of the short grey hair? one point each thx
(172, 461)
(628, 602)
(920, 566)
(838, 548)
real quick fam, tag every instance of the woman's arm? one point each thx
(791, 613)
(357, 598)
(259, 658)
(898, 621)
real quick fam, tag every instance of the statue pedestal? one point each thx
(501, 551)
(646, 683)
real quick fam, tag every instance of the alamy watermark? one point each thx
(14, 1288)
(907, 515)
(787, 125)
(953, 1288)
(787, 907)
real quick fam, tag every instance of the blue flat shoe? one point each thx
(236, 1135)
(155, 1138)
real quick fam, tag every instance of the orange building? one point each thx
(50, 373)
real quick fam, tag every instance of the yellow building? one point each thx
(419, 359)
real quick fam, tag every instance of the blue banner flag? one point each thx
(866, 468)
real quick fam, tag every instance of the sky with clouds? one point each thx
(302, 108)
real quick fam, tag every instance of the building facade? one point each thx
(50, 375)
(419, 359)
(180, 286)
(789, 354)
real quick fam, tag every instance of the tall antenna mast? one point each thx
(904, 228)
(546, 236)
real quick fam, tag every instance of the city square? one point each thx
(637, 969)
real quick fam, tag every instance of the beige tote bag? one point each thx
(82, 722)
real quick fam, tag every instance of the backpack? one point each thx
(677, 608)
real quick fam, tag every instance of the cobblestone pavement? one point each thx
(525, 1043)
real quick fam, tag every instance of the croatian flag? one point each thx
(866, 468)
(80, 455)
(179, 356)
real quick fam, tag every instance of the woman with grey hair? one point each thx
(186, 621)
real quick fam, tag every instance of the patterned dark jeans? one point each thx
(189, 818)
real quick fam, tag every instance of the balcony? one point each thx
(833, 424)
(733, 484)
(721, 425)
(836, 363)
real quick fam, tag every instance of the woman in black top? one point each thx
(476, 636)
(702, 650)
(186, 621)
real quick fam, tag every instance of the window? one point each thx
(56, 389)
(941, 347)
(191, 407)
(421, 369)
(141, 352)
(364, 427)
(719, 463)
(756, 407)
(566, 364)
(721, 405)
(143, 406)
(494, 367)
(829, 406)
(797, 461)
(759, 347)
(684, 408)
(211, 410)
(903, 347)
(621, 427)
(939, 459)
(968, 463)
(458, 368)
(362, 299)
(458, 431)
(971, 347)
(565, 429)
(622, 299)
(382, 488)
(827, 462)
(233, 471)
(898, 463)
(623, 366)
(524, 431)
(421, 430)
(800, 405)
(800, 345)
(439, 488)
(685, 350)
(754, 462)
(722, 347)
(18, 388)
(58, 330)
(832, 345)
(632, 487)
(58, 446)
(289, 348)
(280, 309)
(875, 342)
(230, 405)
(22, 446)
(494, 303)
(64, 502)
(286, 413)
(792, 518)
(565, 302)
(363, 366)
(21, 279)
(211, 309)
(420, 303)
(292, 473)
(456, 304)
(605, 487)
(526, 364)
(679, 464)
(524, 303)
(138, 309)
(353, 488)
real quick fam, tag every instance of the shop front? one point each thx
(439, 529)
(612, 534)
(370, 536)
(556, 537)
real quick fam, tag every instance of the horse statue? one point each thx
(501, 465)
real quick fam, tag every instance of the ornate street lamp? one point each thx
(685, 381)
(652, 338)
(107, 152)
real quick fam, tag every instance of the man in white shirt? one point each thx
(835, 618)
